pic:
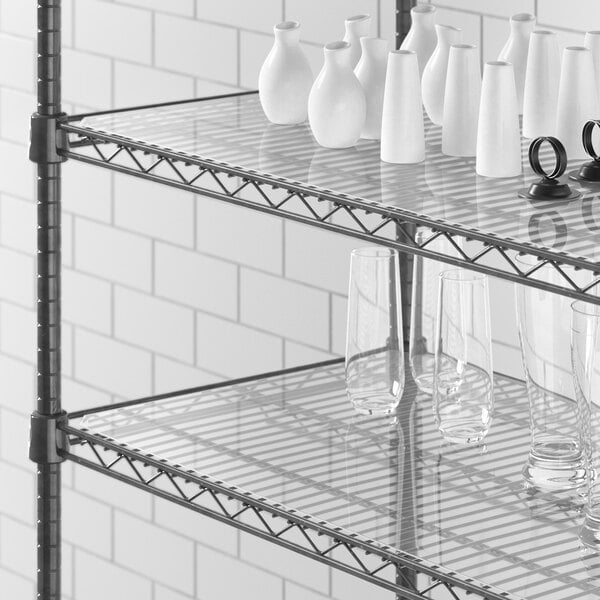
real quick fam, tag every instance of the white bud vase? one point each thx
(461, 101)
(421, 37)
(498, 134)
(577, 99)
(356, 27)
(541, 85)
(337, 107)
(434, 75)
(592, 41)
(516, 49)
(402, 131)
(285, 77)
(370, 71)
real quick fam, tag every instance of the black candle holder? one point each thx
(549, 188)
(590, 171)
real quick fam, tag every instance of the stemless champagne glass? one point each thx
(555, 461)
(585, 356)
(374, 346)
(463, 395)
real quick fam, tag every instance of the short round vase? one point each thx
(337, 107)
(285, 77)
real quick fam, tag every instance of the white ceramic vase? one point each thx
(577, 99)
(285, 77)
(541, 85)
(498, 134)
(461, 101)
(592, 41)
(516, 49)
(356, 27)
(370, 71)
(337, 107)
(433, 82)
(402, 131)
(421, 37)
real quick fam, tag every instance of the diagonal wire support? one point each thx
(390, 570)
(445, 242)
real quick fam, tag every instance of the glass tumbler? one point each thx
(374, 346)
(463, 395)
(585, 357)
(555, 460)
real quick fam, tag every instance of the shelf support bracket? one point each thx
(47, 442)
(46, 139)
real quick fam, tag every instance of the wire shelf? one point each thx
(286, 457)
(225, 148)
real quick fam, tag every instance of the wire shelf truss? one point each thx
(224, 148)
(284, 458)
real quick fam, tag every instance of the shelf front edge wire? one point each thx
(299, 188)
(397, 557)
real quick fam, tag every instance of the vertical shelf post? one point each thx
(47, 441)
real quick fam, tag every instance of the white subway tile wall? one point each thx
(165, 290)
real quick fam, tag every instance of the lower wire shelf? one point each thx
(284, 457)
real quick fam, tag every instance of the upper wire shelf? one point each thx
(286, 458)
(225, 148)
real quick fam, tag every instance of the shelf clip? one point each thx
(47, 442)
(47, 139)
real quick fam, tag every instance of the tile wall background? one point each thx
(220, 304)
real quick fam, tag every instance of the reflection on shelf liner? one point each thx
(295, 441)
(234, 131)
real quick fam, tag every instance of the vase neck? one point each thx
(447, 35)
(358, 26)
(287, 33)
(375, 49)
(522, 24)
(423, 16)
(337, 54)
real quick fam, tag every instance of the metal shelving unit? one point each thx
(377, 500)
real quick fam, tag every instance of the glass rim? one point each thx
(462, 275)
(374, 252)
(585, 308)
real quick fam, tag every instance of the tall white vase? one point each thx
(592, 41)
(337, 107)
(433, 82)
(356, 27)
(541, 85)
(461, 101)
(498, 134)
(285, 77)
(577, 99)
(516, 49)
(370, 71)
(421, 37)
(402, 131)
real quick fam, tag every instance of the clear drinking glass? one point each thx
(555, 460)
(374, 346)
(463, 398)
(423, 308)
(585, 357)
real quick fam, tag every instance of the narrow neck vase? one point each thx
(356, 27)
(433, 82)
(516, 49)
(370, 71)
(421, 38)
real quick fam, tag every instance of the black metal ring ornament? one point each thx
(548, 188)
(590, 171)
